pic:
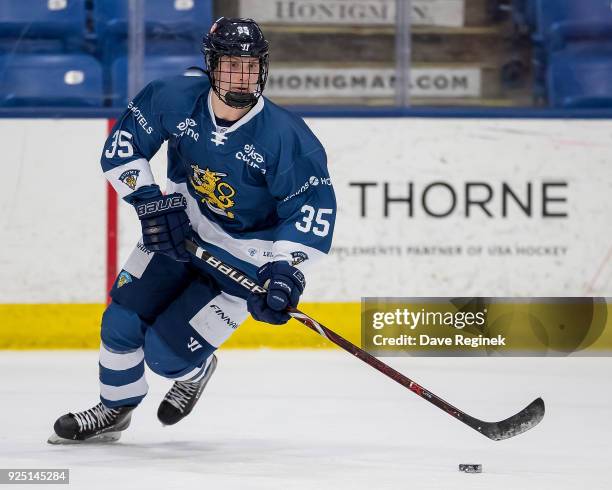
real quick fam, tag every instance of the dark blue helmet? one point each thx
(236, 37)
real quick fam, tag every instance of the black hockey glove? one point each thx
(165, 225)
(285, 285)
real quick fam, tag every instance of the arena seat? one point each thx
(25, 25)
(172, 27)
(28, 80)
(164, 19)
(565, 25)
(155, 66)
(579, 76)
(558, 20)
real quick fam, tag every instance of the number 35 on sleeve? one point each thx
(321, 225)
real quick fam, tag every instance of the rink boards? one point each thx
(426, 207)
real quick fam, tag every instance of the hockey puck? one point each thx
(470, 468)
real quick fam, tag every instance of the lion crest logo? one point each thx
(124, 278)
(214, 192)
(130, 177)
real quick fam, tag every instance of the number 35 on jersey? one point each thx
(314, 220)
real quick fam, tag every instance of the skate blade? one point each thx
(99, 439)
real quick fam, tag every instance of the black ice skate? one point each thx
(98, 424)
(182, 397)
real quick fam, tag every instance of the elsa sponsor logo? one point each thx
(185, 127)
(187, 123)
(253, 159)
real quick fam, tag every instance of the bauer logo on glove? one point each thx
(161, 205)
(285, 285)
(165, 225)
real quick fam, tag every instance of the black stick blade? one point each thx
(521, 422)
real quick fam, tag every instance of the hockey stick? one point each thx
(521, 422)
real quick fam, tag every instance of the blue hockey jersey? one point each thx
(256, 191)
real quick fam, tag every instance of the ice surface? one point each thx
(321, 420)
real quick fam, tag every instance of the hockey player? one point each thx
(247, 181)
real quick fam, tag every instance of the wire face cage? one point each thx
(238, 80)
(237, 60)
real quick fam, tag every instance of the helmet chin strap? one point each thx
(240, 100)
